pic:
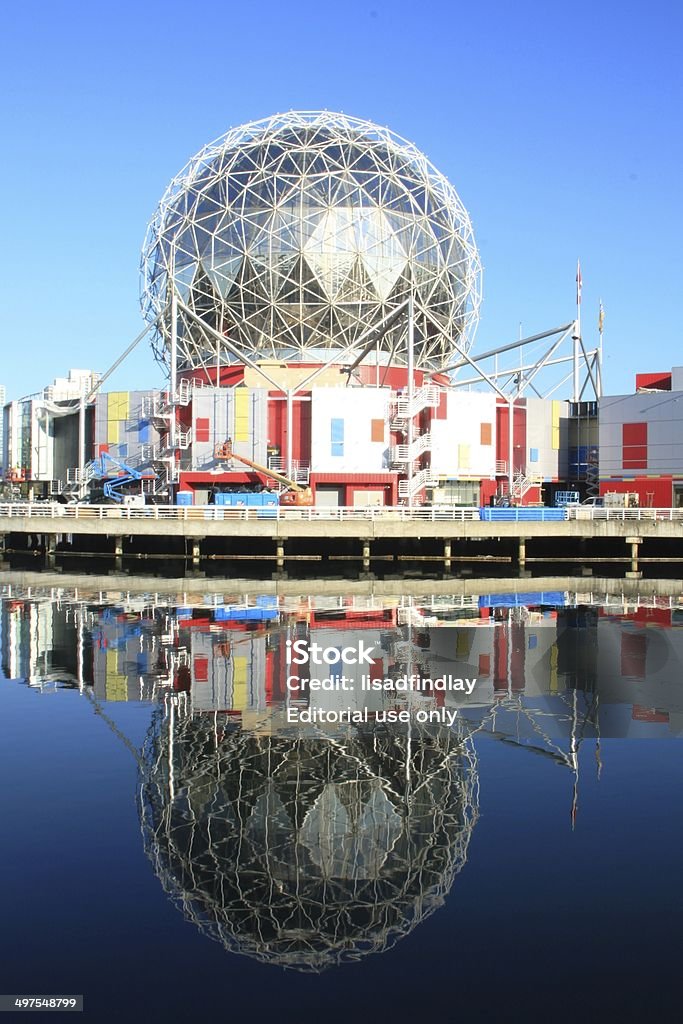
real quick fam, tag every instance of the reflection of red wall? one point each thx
(500, 659)
(201, 669)
(652, 616)
(517, 655)
(633, 655)
(640, 714)
(384, 618)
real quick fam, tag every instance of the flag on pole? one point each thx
(578, 282)
(601, 318)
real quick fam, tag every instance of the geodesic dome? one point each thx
(303, 851)
(296, 235)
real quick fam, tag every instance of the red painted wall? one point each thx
(486, 492)
(390, 377)
(634, 445)
(661, 489)
(659, 381)
(357, 482)
(518, 433)
(301, 426)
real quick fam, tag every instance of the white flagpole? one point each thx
(601, 327)
(577, 332)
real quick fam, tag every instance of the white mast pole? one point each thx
(411, 392)
(577, 333)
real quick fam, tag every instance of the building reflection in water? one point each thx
(299, 850)
(311, 846)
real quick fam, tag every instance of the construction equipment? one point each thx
(295, 494)
(116, 475)
(621, 499)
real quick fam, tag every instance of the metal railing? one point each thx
(53, 510)
(402, 453)
(301, 471)
(642, 514)
(425, 478)
(426, 397)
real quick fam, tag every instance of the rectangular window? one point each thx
(464, 456)
(457, 492)
(336, 437)
(486, 435)
(377, 430)
(201, 429)
(533, 455)
(634, 445)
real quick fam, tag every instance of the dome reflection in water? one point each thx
(303, 850)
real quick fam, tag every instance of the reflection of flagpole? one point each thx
(575, 764)
(598, 752)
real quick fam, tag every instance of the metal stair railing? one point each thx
(403, 453)
(426, 397)
(408, 488)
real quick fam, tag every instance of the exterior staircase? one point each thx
(403, 456)
(410, 488)
(521, 483)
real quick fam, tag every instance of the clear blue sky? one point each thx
(560, 126)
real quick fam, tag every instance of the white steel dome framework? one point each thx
(296, 235)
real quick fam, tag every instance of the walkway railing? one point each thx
(644, 514)
(53, 510)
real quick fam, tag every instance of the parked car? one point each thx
(594, 502)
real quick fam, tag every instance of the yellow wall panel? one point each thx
(118, 405)
(556, 426)
(241, 414)
(240, 698)
(553, 669)
(464, 456)
(117, 685)
(463, 643)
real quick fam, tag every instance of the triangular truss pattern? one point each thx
(298, 232)
(300, 851)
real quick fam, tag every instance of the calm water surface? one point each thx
(175, 846)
